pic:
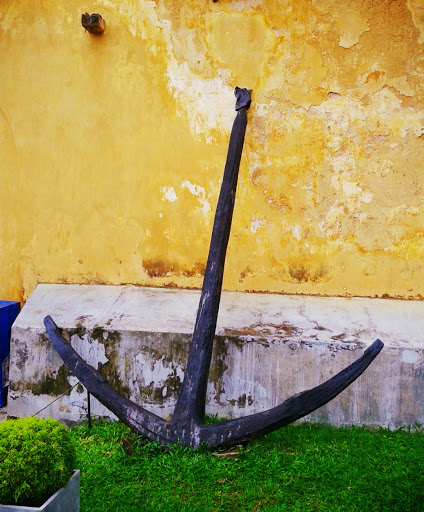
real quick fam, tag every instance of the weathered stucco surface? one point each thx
(267, 348)
(112, 147)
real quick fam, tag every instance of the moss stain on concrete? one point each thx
(53, 384)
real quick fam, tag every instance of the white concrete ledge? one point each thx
(267, 348)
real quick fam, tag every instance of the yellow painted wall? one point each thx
(112, 148)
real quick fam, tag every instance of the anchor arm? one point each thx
(236, 431)
(146, 423)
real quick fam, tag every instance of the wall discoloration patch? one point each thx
(53, 384)
(161, 268)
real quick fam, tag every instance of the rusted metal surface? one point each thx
(93, 23)
(187, 424)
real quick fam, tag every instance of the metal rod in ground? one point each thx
(88, 409)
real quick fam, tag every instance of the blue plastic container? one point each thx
(8, 312)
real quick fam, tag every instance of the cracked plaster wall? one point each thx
(112, 148)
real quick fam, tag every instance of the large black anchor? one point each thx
(188, 422)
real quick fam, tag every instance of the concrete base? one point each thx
(66, 499)
(267, 348)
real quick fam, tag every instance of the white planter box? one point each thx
(66, 499)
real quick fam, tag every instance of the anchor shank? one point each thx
(191, 402)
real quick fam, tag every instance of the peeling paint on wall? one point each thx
(351, 26)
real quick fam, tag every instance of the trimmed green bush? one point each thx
(36, 459)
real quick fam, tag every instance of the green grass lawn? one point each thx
(303, 467)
